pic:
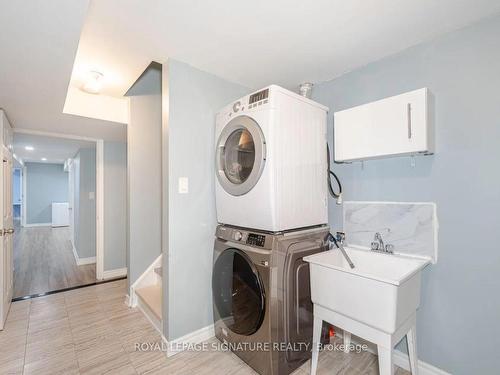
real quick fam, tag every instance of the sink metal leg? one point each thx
(318, 324)
(385, 361)
(411, 338)
(347, 341)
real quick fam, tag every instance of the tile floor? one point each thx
(92, 331)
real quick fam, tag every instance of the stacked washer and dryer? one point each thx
(272, 209)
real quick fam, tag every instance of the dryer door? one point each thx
(238, 292)
(241, 155)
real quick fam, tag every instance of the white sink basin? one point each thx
(382, 291)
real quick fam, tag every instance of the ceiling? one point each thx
(55, 150)
(259, 42)
(47, 47)
(38, 43)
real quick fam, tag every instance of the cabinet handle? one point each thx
(408, 116)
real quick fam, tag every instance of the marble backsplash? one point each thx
(411, 227)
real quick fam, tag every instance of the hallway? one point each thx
(88, 331)
(44, 261)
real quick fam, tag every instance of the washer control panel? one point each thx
(254, 239)
(240, 235)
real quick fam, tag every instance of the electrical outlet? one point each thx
(183, 185)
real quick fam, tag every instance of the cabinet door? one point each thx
(388, 127)
(354, 133)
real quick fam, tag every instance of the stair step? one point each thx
(151, 296)
(159, 271)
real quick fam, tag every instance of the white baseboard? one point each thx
(111, 274)
(83, 261)
(37, 225)
(193, 338)
(401, 359)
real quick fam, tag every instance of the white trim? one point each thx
(401, 360)
(23, 198)
(111, 274)
(38, 225)
(99, 258)
(81, 261)
(175, 346)
(100, 210)
(75, 254)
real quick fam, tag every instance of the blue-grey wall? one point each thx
(45, 183)
(115, 205)
(457, 326)
(194, 97)
(84, 205)
(144, 173)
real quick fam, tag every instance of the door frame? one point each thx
(99, 194)
(21, 182)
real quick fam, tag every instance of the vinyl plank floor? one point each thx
(44, 261)
(92, 331)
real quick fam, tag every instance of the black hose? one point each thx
(330, 174)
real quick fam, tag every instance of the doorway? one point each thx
(55, 241)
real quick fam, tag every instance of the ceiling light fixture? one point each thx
(44, 159)
(93, 83)
(29, 148)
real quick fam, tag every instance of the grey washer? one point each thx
(239, 123)
(261, 294)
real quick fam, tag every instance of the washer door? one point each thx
(241, 155)
(238, 292)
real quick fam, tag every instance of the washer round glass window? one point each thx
(240, 155)
(238, 292)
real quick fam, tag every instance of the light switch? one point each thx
(91, 195)
(183, 185)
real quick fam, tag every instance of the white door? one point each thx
(6, 240)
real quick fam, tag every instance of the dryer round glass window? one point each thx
(238, 292)
(241, 155)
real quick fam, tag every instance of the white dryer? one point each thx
(271, 161)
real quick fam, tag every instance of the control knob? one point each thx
(237, 236)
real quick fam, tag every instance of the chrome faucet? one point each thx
(378, 245)
(338, 240)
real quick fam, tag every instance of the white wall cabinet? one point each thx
(395, 126)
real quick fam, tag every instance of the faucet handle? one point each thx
(374, 245)
(389, 248)
(340, 237)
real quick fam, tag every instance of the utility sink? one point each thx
(382, 291)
